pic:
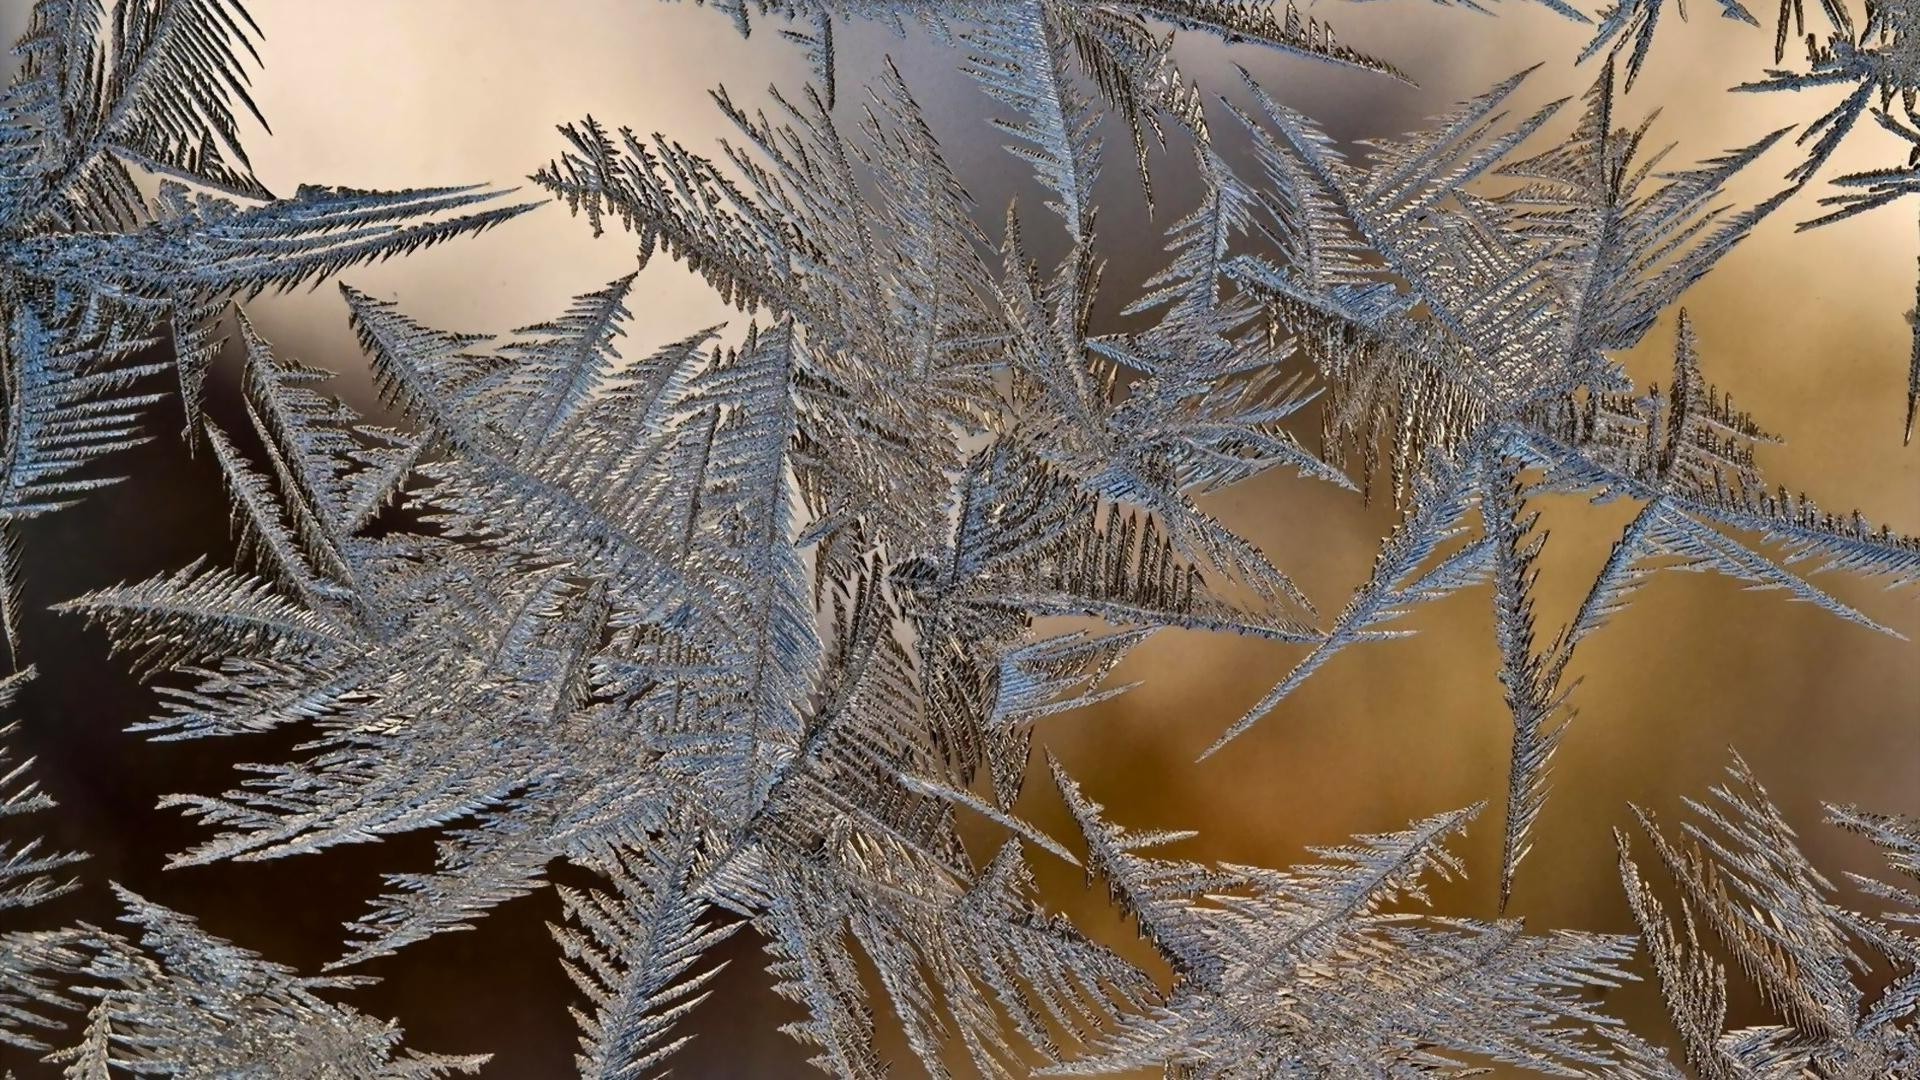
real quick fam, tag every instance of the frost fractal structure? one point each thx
(749, 626)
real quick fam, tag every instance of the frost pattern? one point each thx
(1744, 878)
(749, 625)
(1303, 972)
(31, 961)
(92, 270)
(1874, 55)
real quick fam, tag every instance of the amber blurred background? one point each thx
(1806, 331)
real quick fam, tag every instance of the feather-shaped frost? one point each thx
(1778, 919)
(1304, 972)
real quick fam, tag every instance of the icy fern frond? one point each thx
(742, 236)
(91, 1058)
(1699, 442)
(1876, 59)
(1694, 453)
(1029, 542)
(1201, 243)
(209, 245)
(1155, 892)
(1768, 904)
(181, 1002)
(201, 613)
(333, 472)
(1747, 879)
(1398, 581)
(70, 401)
(1271, 25)
(1898, 838)
(816, 971)
(1155, 448)
(1213, 388)
(1689, 455)
(1630, 26)
(555, 497)
(1133, 71)
(719, 232)
(1476, 352)
(108, 90)
(864, 732)
(364, 639)
(1871, 58)
(109, 94)
(25, 868)
(1531, 677)
(361, 632)
(1019, 59)
(1125, 50)
(1136, 74)
(1693, 982)
(105, 89)
(1309, 972)
(1688, 527)
(1692, 442)
(1412, 206)
(36, 971)
(36, 966)
(1030, 539)
(1873, 188)
(631, 951)
(1628, 240)
(534, 661)
(890, 295)
(1197, 423)
(160, 85)
(984, 947)
(849, 849)
(1258, 21)
(565, 363)
(1511, 299)
(750, 505)
(262, 532)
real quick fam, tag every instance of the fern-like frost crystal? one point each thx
(751, 629)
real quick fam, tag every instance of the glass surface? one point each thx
(1804, 329)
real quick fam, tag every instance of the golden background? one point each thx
(1805, 330)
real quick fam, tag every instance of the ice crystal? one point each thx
(1526, 296)
(31, 961)
(92, 269)
(1746, 879)
(1875, 56)
(180, 1002)
(1124, 49)
(1304, 972)
(752, 625)
(1878, 60)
